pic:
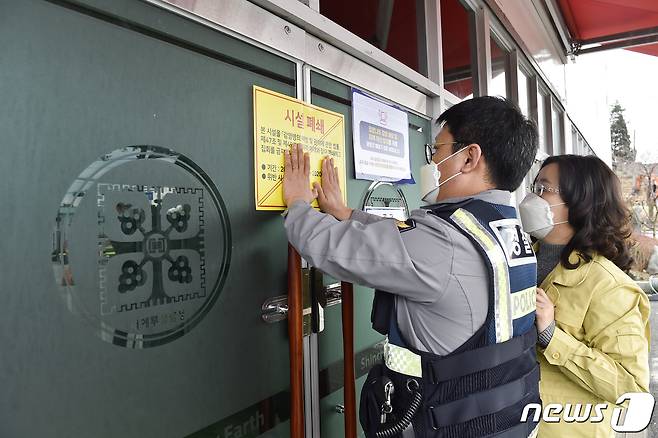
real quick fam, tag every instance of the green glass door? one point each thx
(368, 346)
(134, 265)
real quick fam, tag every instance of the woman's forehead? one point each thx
(549, 174)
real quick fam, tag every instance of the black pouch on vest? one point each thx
(372, 400)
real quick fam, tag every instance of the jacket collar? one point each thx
(567, 277)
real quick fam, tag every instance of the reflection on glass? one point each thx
(456, 47)
(499, 67)
(391, 26)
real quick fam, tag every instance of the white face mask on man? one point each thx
(430, 179)
(537, 216)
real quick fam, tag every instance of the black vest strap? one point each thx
(383, 307)
(521, 430)
(480, 359)
(485, 402)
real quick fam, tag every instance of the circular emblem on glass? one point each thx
(141, 246)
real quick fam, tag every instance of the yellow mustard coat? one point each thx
(600, 348)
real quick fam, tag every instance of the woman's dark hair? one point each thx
(597, 212)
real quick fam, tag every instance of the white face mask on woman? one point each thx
(537, 216)
(430, 179)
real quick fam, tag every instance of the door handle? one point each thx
(275, 309)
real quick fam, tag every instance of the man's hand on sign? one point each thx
(330, 197)
(296, 182)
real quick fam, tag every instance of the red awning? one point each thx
(651, 49)
(597, 25)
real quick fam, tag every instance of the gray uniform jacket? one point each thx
(438, 276)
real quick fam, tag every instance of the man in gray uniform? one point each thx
(440, 280)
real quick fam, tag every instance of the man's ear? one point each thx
(472, 159)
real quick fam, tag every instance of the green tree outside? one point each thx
(620, 141)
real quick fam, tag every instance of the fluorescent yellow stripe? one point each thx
(524, 302)
(498, 262)
(401, 360)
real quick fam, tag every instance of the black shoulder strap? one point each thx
(382, 309)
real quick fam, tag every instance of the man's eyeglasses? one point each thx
(539, 189)
(430, 149)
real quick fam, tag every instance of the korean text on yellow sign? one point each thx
(280, 121)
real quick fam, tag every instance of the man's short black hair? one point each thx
(507, 138)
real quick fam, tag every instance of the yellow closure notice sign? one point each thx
(280, 121)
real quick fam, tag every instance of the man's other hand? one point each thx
(330, 197)
(296, 182)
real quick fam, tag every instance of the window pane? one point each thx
(558, 146)
(499, 67)
(582, 146)
(524, 93)
(456, 47)
(541, 122)
(574, 141)
(389, 25)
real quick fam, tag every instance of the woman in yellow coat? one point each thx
(592, 319)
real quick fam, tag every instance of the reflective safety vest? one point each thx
(481, 388)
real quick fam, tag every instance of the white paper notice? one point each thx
(381, 140)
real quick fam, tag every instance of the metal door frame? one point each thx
(311, 346)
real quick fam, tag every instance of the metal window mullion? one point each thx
(433, 41)
(438, 106)
(434, 57)
(513, 95)
(561, 128)
(311, 349)
(532, 104)
(557, 144)
(482, 50)
(421, 38)
(512, 82)
(548, 120)
(383, 23)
